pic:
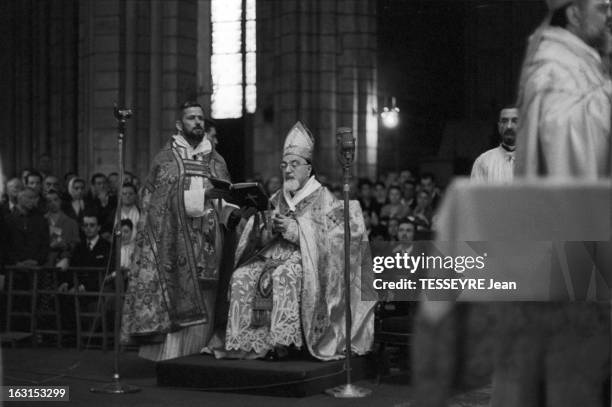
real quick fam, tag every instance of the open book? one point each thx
(243, 194)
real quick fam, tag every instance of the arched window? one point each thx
(233, 58)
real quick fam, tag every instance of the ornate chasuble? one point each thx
(319, 217)
(177, 253)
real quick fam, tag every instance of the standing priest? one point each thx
(172, 283)
(558, 353)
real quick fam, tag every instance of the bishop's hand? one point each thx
(280, 223)
(286, 226)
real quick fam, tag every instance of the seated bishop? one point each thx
(288, 289)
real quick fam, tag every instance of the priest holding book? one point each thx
(172, 284)
(288, 289)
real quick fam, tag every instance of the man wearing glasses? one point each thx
(289, 294)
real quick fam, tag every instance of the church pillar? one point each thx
(316, 63)
(37, 83)
(141, 55)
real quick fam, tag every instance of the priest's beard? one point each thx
(291, 185)
(508, 140)
(193, 138)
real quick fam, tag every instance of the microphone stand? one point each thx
(116, 387)
(345, 143)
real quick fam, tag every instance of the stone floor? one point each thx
(93, 368)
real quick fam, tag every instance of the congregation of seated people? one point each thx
(395, 197)
(49, 223)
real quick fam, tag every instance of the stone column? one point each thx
(69, 61)
(37, 83)
(316, 63)
(140, 54)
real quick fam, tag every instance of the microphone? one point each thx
(345, 145)
(122, 114)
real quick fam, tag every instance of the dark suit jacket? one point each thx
(26, 236)
(97, 257)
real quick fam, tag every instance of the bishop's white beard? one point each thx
(291, 185)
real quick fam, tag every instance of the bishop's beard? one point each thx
(291, 185)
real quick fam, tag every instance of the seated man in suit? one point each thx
(93, 251)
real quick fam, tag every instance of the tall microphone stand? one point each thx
(116, 387)
(345, 143)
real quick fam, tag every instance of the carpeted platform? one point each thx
(292, 378)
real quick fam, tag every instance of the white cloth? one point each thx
(564, 105)
(201, 149)
(495, 165)
(195, 195)
(311, 185)
(127, 250)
